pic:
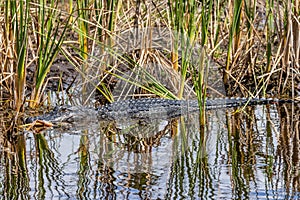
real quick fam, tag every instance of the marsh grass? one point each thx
(256, 43)
(234, 34)
(263, 58)
(25, 22)
(200, 77)
(49, 39)
(15, 34)
(258, 51)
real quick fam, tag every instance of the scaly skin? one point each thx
(144, 109)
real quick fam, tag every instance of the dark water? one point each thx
(250, 154)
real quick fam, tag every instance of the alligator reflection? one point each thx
(253, 153)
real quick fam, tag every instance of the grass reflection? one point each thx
(48, 171)
(15, 172)
(84, 167)
(253, 153)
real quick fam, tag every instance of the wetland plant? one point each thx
(255, 43)
(50, 37)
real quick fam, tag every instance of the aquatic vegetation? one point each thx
(246, 51)
(118, 50)
(49, 39)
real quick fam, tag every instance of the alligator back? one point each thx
(145, 108)
(166, 108)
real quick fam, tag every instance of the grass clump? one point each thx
(255, 43)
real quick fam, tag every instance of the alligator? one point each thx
(144, 108)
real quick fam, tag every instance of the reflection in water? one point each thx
(47, 176)
(14, 174)
(249, 154)
(287, 154)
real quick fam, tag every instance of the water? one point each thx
(251, 154)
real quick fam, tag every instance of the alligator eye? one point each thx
(29, 120)
(70, 119)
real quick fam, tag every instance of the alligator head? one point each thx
(66, 115)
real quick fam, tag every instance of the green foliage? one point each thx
(16, 29)
(49, 40)
(258, 41)
(183, 16)
(234, 32)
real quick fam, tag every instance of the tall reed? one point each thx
(184, 22)
(254, 54)
(290, 40)
(176, 11)
(104, 40)
(49, 40)
(234, 32)
(16, 40)
(83, 28)
(200, 77)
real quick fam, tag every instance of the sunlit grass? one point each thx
(49, 37)
(255, 43)
(15, 33)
